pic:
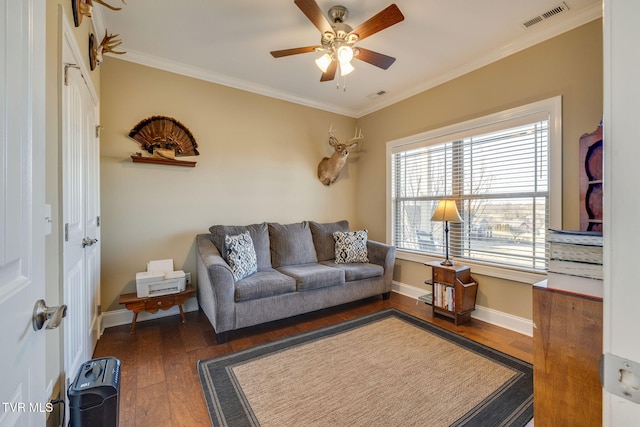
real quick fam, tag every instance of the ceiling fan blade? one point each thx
(374, 58)
(294, 51)
(384, 19)
(330, 74)
(311, 9)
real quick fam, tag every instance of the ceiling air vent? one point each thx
(546, 15)
(376, 95)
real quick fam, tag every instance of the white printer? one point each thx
(160, 279)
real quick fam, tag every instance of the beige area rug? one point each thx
(384, 369)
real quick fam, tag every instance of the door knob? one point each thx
(88, 242)
(42, 313)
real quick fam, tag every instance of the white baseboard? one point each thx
(498, 318)
(489, 315)
(125, 317)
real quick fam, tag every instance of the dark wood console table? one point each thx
(153, 304)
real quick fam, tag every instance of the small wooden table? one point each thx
(454, 291)
(153, 304)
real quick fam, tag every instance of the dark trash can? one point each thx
(94, 395)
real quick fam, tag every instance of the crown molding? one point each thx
(551, 29)
(545, 31)
(221, 79)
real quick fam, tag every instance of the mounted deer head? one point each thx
(107, 45)
(330, 167)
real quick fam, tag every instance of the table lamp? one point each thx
(447, 212)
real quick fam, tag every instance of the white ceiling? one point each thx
(228, 42)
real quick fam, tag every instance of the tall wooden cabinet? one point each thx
(567, 344)
(567, 313)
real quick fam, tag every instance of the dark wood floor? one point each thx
(160, 384)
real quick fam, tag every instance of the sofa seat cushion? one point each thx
(313, 275)
(357, 271)
(264, 283)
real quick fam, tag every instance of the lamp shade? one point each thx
(323, 62)
(346, 68)
(345, 54)
(446, 211)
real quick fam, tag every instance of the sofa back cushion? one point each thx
(323, 237)
(291, 244)
(259, 234)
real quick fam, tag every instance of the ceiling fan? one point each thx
(338, 39)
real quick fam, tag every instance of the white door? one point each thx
(81, 204)
(621, 210)
(22, 238)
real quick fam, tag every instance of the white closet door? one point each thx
(81, 204)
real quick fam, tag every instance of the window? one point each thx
(497, 169)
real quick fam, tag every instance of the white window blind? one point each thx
(498, 175)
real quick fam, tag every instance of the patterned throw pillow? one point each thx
(240, 255)
(351, 246)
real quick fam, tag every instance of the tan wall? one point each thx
(257, 162)
(154, 211)
(569, 65)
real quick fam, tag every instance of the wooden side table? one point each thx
(153, 304)
(454, 292)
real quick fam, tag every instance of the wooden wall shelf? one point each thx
(590, 153)
(157, 161)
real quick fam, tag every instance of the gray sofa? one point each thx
(296, 273)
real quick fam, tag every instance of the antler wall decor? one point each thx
(108, 6)
(85, 7)
(107, 45)
(330, 167)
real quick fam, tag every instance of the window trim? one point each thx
(551, 108)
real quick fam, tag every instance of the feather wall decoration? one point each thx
(161, 134)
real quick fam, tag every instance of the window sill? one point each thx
(516, 275)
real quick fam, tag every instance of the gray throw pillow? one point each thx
(323, 238)
(240, 255)
(351, 246)
(291, 244)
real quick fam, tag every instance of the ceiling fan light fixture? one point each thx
(345, 68)
(323, 62)
(345, 54)
(338, 39)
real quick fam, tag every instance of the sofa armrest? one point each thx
(384, 255)
(216, 285)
